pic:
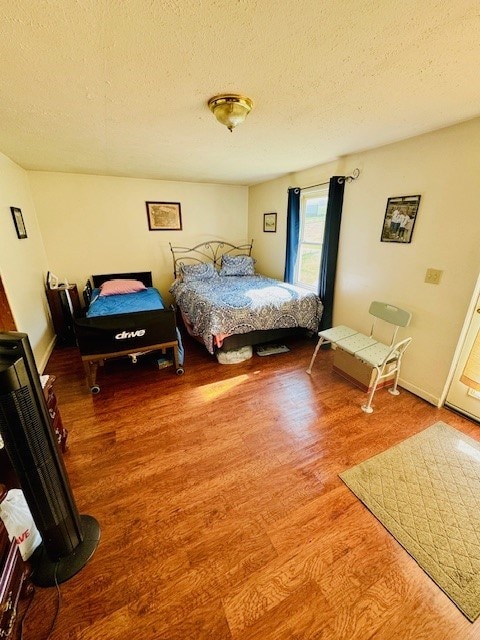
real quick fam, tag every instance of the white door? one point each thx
(464, 392)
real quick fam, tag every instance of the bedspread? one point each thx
(239, 304)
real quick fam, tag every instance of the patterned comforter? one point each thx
(227, 305)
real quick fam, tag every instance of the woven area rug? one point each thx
(426, 492)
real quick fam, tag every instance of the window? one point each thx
(313, 210)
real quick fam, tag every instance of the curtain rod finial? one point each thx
(354, 176)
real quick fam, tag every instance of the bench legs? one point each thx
(393, 390)
(319, 344)
(367, 408)
(380, 374)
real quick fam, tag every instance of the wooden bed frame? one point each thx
(213, 251)
(127, 334)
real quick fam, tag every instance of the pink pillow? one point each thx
(114, 287)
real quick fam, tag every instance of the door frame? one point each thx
(10, 324)
(461, 340)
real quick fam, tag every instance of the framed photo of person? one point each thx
(400, 218)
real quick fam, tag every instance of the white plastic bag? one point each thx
(19, 522)
(235, 356)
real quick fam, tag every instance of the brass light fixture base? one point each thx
(230, 109)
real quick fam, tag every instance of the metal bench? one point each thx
(367, 348)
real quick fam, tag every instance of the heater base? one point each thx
(48, 573)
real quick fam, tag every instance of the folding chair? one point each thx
(368, 349)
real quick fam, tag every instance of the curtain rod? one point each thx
(354, 176)
(320, 184)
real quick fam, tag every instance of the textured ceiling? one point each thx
(121, 87)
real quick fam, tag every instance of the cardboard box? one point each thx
(164, 362)
(357, 372)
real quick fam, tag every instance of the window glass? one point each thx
(313, 209)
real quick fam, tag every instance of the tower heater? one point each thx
(68, 539)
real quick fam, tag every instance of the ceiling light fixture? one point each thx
(230, 109)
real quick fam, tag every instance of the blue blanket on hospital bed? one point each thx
(146, 300)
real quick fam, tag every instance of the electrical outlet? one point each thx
(433, 276)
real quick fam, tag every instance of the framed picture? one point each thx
(270, 222)
(400, 217)
(164, 216)
(19, 224)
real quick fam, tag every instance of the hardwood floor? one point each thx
(221, 510)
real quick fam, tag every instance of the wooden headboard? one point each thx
(143, 276)
(205, 252)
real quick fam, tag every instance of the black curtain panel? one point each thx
(293, 231)
(328, 265)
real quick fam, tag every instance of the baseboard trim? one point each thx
(435, 400)
(47, 354)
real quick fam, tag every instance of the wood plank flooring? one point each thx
(221, 510)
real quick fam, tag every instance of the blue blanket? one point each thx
(147, 300)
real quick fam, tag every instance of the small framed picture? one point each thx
(19, 224)
(400, 218)
(164, 216)
(269, 222)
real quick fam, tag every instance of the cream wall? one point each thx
(23, 263)
(443, 168)
(98, 224)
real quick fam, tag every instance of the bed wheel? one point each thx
(180, 371)
(95, 389)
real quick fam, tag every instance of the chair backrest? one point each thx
(391, 314)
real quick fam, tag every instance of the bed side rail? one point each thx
(132, 331)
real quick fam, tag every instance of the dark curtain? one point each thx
(293, 231)
(328, 265)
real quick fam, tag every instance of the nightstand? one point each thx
(64, 304)
(61, 433)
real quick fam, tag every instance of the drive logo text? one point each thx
(124, 335)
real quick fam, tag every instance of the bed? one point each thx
(124, 316)
(226, 305)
